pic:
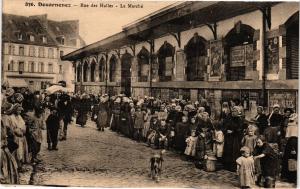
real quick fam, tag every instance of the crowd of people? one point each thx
(259, 149)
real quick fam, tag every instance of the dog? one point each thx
(156, 165)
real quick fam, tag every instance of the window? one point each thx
(61, 53)
(31, 37)
(239, 51)
(44, 39)
(21, 66)
(11, 66)
(31, 82)
(60, 69)
(165, 62)
(31, 67)
(41, 52)
(21, 51)
(195, 55)
(31, 51)
(61, 40)
(44, 84)
(11, 49)
(41, 67)
(20, 36)
(50, 68)
(143, 65)
(50, 53)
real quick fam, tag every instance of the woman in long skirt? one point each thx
(18, 125)
(146, 127)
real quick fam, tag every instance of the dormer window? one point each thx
(44, 39)
(20, 36)
(61, 40)
(31, 37)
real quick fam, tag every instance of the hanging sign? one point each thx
(273, 55)
(215, 58)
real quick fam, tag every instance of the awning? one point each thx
(16, 82)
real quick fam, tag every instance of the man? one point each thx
(261, 119)
(65, 113)
(275, 120)
(52, 129)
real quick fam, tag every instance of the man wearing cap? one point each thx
(52, 123)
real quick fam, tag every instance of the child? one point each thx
(138, 123)
(249, 140)
(218, 142)
(154, 125)
(191, 141)
(162, 133)
(52, 129)
(245, 168)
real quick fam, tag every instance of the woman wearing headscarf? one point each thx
(8, 164)
(18, 125)
(233, 133)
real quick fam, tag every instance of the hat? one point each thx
(18, 97)
(10, 91)
(288, 109)
(15, 108)
(276, 106)
(260, 107)
(6, 107)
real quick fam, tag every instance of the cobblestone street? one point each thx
(105, 159)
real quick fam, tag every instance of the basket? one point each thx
(210, 163)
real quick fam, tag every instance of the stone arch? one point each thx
(93, 62)
(143, 66)
(85, 71)
(102, 68)
(78, 71)
(165, 61)
(238, 37)
(112, 67)
(126, 60)
(196, 52)
(292, 46)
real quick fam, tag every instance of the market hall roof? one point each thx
(172, 19)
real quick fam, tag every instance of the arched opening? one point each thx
(85, 70)
(126, 74)
(195, 51)
(292, 46)
(78, 71)
(238, 40)
(93, 70)
(112, 68)
(166, 61)
(102, 69)
(143, 65)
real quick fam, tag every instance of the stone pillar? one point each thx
(194, 95)
(82, 71)
(88, 75)
(134, 69)
(117, 73)
(180, 66)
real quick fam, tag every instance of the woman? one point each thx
(83, 110)
(182, 131)
(102, 115)
(233, 132)
(8, 164)
(289, 160)
(268, 161)
(18, 125)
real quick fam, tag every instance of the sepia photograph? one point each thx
(149, 94)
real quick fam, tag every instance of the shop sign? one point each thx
(284, 99)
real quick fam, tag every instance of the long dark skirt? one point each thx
(81, 118)
(290, 153)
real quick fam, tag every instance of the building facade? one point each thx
(193, 50)
(32, 50)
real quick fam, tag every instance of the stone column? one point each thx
(180, 66)
(117, 73)
(134, 69)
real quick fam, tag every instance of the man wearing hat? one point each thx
(261, 120)
(52, 124)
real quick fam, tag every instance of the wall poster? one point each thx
(272, 53)
(216, 48)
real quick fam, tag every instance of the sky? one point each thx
(94, 23)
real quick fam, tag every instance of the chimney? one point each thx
(42, 19)
(74, 25)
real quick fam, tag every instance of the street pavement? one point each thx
(105, 159)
